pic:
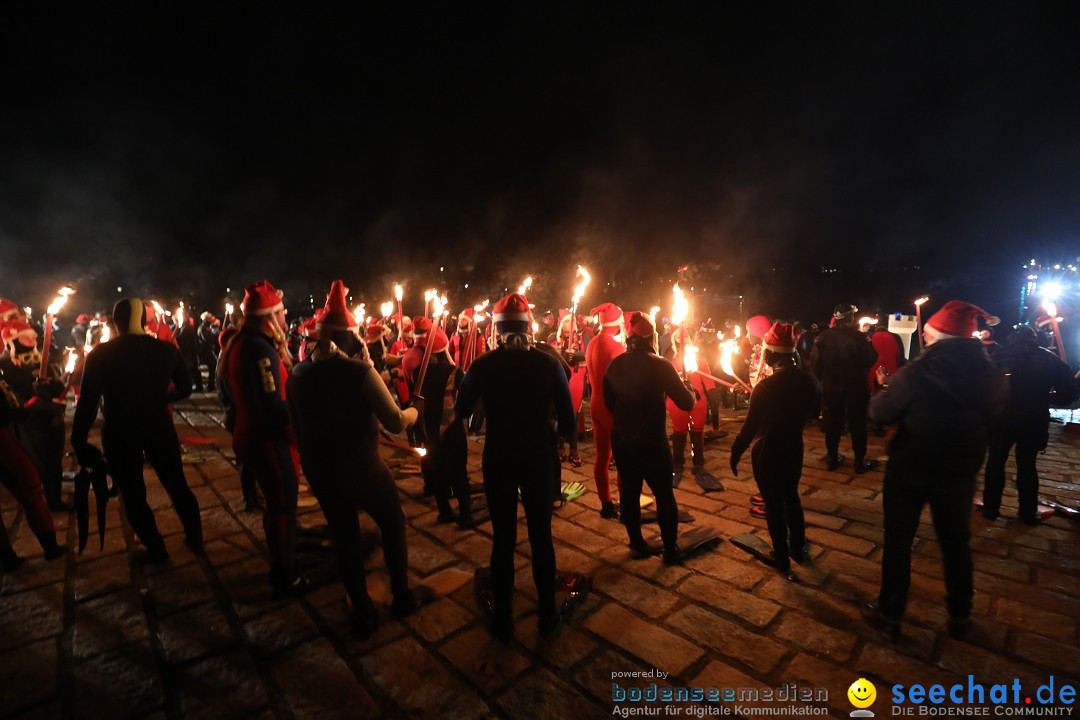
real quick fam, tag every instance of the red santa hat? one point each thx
(20, 331)
(440, 343)
(374, 329)
(640, 325)
(780, 338)
(610, 314)
(758, 326)
(1044, 321)
(512, 314)
(465, 319)
(422, 326)
(309, 328)
(335, 315)
(262, 298)
(8, 310)
(81, 319)
(956, 319)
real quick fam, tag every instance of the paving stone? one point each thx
(426, 557)
(280, 629)
(176, 589)
(814, 673)
(731, 601)
(815, 637)
(102, 576)
(32, 615)
(647, 641)
(220, 687)
(707, 627)
(107, 621)
(565, 650)
(119, 683)
(1051, 654)
(28, 675)
(419, 684)
(194, 633)
(989, 668)
(540, 695)
(633, 592)
(441, 618)
(1037, 620)
(483, 659)
(318, 684)
(742, 574)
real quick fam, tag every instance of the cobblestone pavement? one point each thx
(97, 636)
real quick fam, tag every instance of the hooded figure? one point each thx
(518, 384)
(138, 376)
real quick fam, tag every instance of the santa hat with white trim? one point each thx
(780, 338)
(957, 319)
(512, 314)
(335, 315)
(262, 298)
(609, 314)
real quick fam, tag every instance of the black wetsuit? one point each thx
(779, 409)
(635, 387)
(40, 428)
(841, 359)
(335, 419)
(445, 465)
(207, 354)
(133, 374)
(518, 388)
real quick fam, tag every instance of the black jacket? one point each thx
(1033, 373)
(636, 386)
(842, 358)
(944, 404)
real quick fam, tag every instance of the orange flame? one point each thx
(690, 359)
(59, 300)
(399, 292)
(679, 306)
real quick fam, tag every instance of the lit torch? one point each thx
(655, 332)
(579, 292)
(525, 285)
(918, 318)
(1051, 309)
(360, 314)
(50, 314)
(180, 315)
(387, 308)
(399, 292)
(429, 295)
(679, 306)
(72, 359)
(228, 314)
(728, 348)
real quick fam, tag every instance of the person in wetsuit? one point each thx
(518, 385)
(636, 385)
(138, 376)
(336, 402)
(780, 407)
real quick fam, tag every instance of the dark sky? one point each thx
(913, 146)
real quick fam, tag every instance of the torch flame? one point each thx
(228, 308)
(422, 452)
(535, 326)
(525, 285)
(359, 314)
(160, 310)
(922, 300)
(59, 300)
(738, 331)
(679, 306)
(180, 314)
(106, 334)
(387, 308)
(1050, 307)
(69, 367)
(437, 304)
(398, 292)
(728, 349)
(867, 321)
(478, 311)
(690, 359)
(579, 291)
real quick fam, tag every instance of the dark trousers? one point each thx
(778, 484)
(849, 406)
(637, 467)
(125, 461)
(42, 435)
(341, 492)
(447, 466)
(210, 360)
(18, 475)
(275, 468)
(501, 488)
(1029, 435)
(950, 501)
(192, 362)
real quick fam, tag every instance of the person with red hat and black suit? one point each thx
(636, 385)
(40, 429)
(376, 344)
(448, 452)
(1038, 379)
(19, 476)
(255, 366)
(945, 405)
(336, 402)
(780, 407)
(138, 376)
(518, 384)
(598, 355)
(840, 359)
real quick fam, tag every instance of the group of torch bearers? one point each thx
(314, 396)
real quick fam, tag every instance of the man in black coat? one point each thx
(841, 359)
(944, 404)
(1034, 373)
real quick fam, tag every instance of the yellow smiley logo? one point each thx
(862, 693)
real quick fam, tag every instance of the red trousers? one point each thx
(19, 476)
(602, 436)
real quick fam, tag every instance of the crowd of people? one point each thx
(310, 399)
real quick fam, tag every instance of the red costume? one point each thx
(692, 421)
(888, 355)
(466, 344)
(601, 351)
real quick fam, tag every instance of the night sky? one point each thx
(912, 147)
